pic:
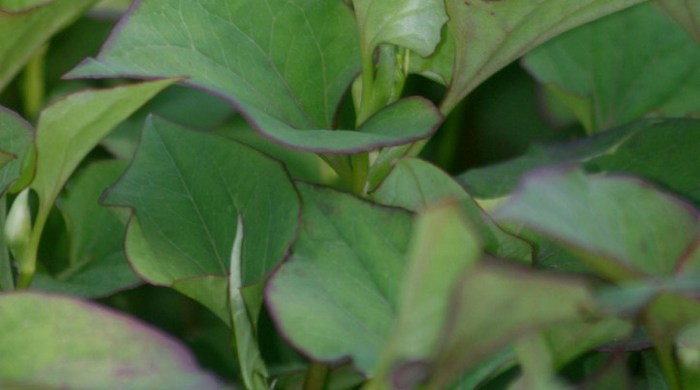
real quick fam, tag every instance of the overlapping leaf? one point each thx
(443, 246)
(187, 190)
(413, 24)
(26, 25)
(344, 273)
(16, 137)
(70, 128)
(97, 264)
(491, 34)
(663, 151)
(623, 228)
(644, 64)
(413, 184)
(495, 306)
(258, 55)
(55, 342)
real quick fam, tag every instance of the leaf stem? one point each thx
(7, 282)
(316, 376)
(33, 83)
(27, 264)
(366, 107)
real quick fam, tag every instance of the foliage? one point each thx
(286, 188)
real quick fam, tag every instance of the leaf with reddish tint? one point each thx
(493, 306)
(56, 342)
(257, 55)
(622, 227)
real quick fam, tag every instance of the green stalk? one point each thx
(668, 366)
(33, 83)
(366, 110)
(316, 376)
(7, 282)
(27, 263)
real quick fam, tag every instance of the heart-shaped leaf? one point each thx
(16, 137)
(26, 25)
(633, 78)
(56, 342)
(186, 209)
(257, 56)
(491, 34)
(335, 297)
(623, 228)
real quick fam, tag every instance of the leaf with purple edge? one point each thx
(661, 150)
(522, 301)
(633, 79)
(50, 341)
(622, 227)
(443, 245)
(491, 34)
(414, 183)
(336, 295)
(186, 189)
(242, 52)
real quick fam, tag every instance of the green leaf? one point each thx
(5, 158)
(414, 184)
(443, 245)
(412, 24)
(16, 137)
(687, 13)
(253, 369)
(55, 342)
(70, 128)
(257, 56)
(186, 209)
(659, 79)
(26, 25)
(491, 34)
(495, 305)
(663, 151)
(623, 228)
(97, 263)
(337, 294)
